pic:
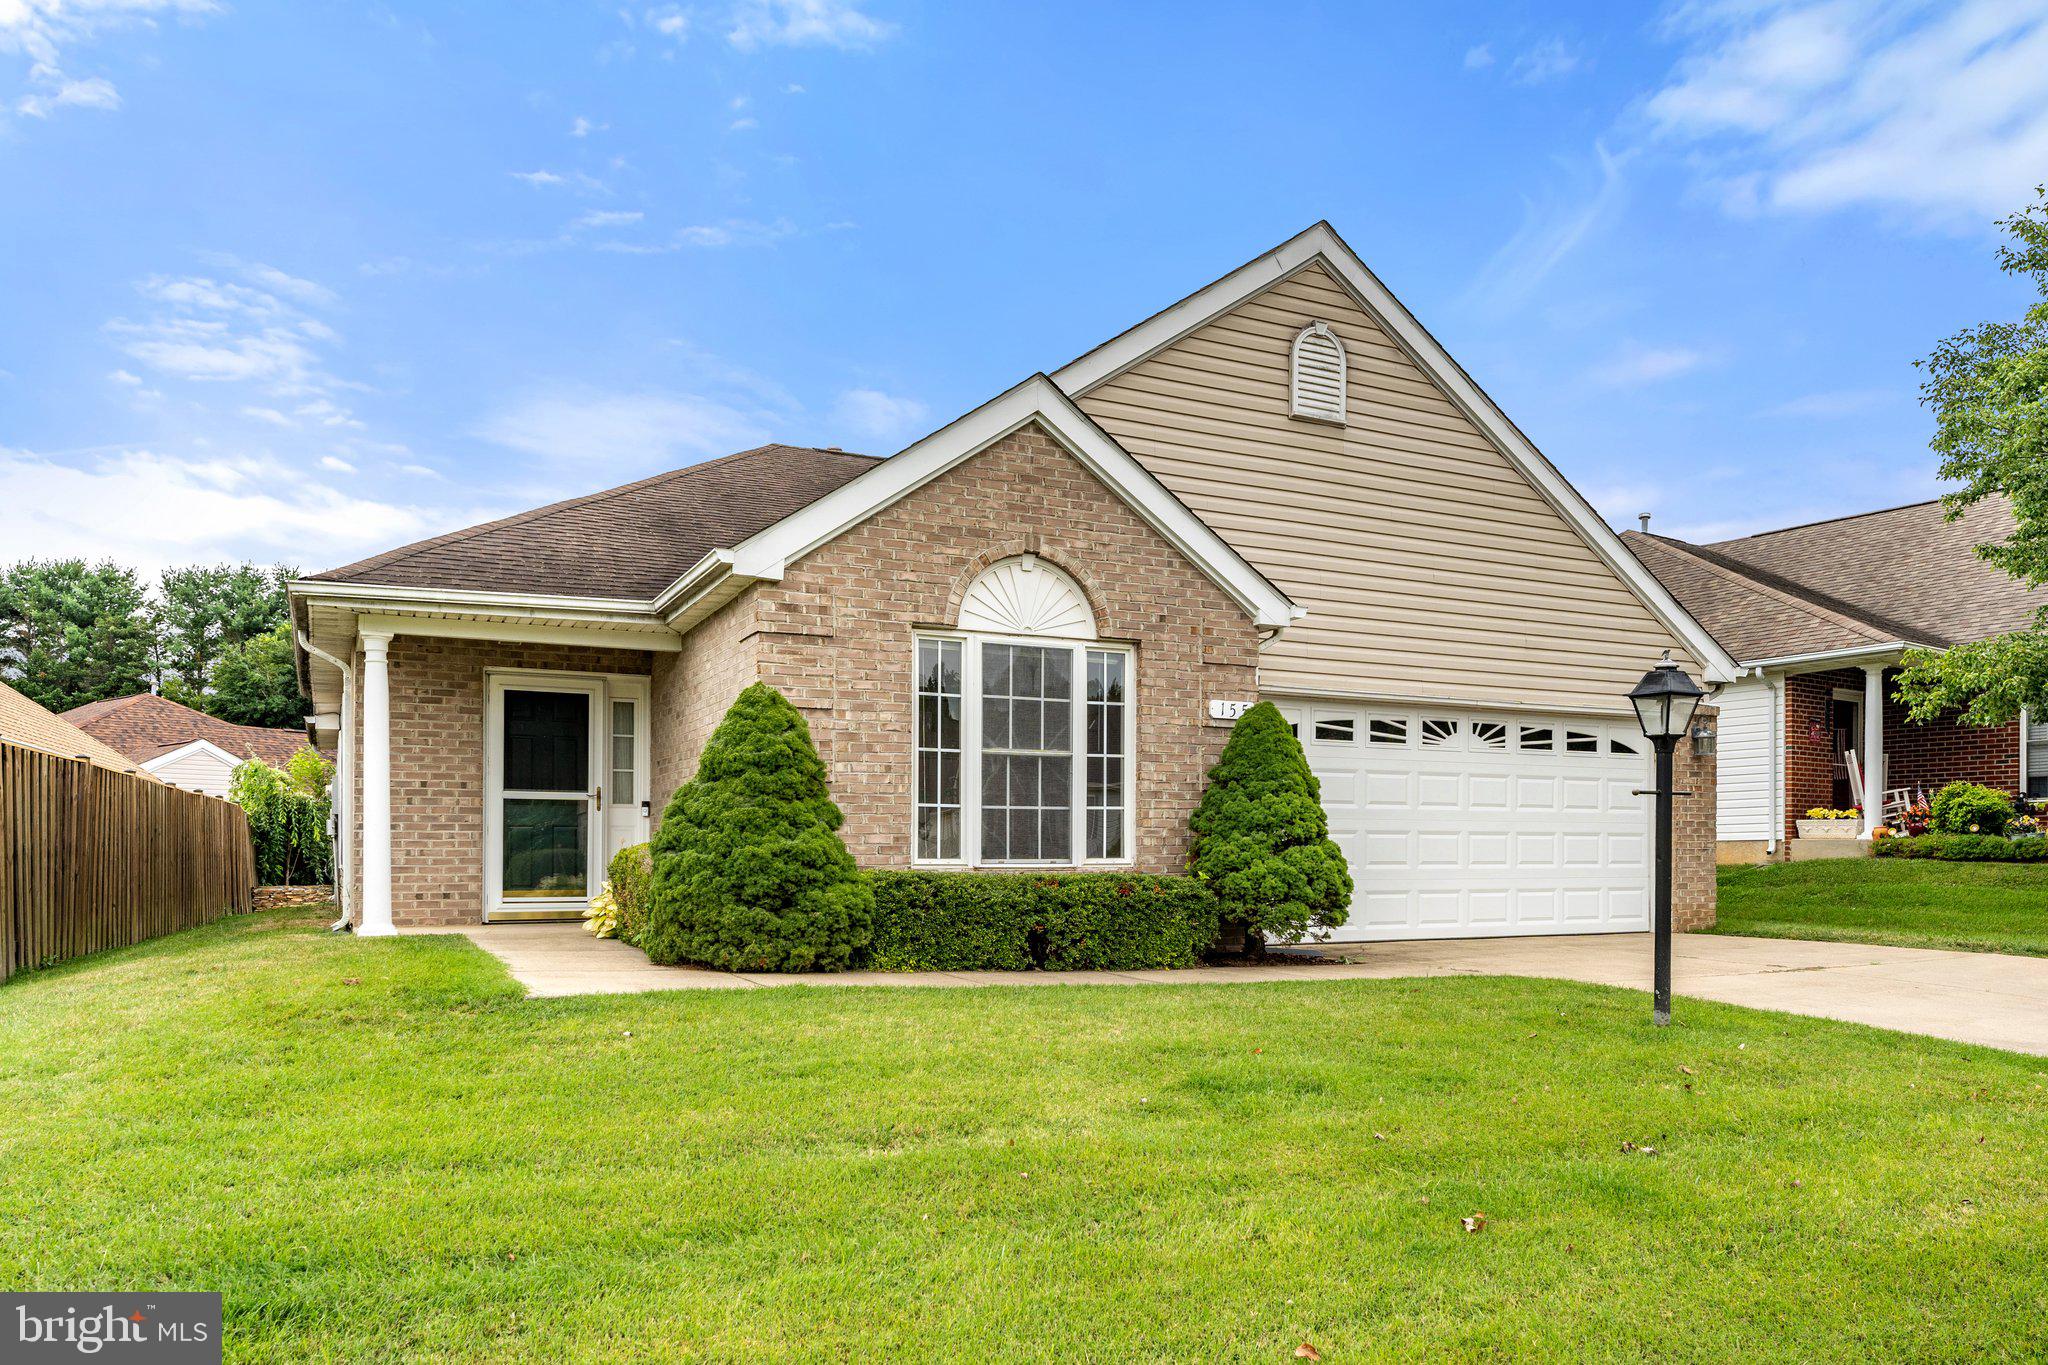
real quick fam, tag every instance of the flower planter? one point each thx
(1830, 829)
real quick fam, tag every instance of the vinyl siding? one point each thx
(1746, 805)
(198, 771)
(1428, 565)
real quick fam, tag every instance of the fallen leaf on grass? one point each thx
(1688, 1071)
(1307, 1352)
(351, 981)
(1476, 1223)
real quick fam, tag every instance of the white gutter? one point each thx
(1848, 655)
(344, 781)
(700, 576)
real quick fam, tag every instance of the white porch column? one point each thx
(1873, 748)
(376, 786)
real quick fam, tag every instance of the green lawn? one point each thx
(1982, 907)
(378, 1150)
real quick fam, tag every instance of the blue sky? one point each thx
(303, 281)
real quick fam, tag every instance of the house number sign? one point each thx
(1228, 710)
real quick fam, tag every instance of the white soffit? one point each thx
(1321, 244)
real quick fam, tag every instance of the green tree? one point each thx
(71, 633)
(287, 810)
(204, 610)
(1262, 841)
(256, 682)
(749, 870)
(1988, 388)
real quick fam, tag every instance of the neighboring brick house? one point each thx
(1818, 616)
(1020, 642)
(180, 746)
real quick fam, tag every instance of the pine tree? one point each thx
(1262, 842)
(749, 871)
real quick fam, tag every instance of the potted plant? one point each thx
(1824, 823)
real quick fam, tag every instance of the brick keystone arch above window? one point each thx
(1027, 596)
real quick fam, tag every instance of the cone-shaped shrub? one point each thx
(749, 870)
(1262, 842)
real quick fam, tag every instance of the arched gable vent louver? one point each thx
(1318, 369)
(1027, 596)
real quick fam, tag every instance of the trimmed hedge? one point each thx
(1964, 848)
(1014, 921)
(632, 877)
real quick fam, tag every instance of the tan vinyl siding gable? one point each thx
(1428, 565)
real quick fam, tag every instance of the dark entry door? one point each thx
(1848, 725)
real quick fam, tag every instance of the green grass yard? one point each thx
(1980, 907)
(377, 1150)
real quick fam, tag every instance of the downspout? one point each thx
(1776, 686)
(344, 780)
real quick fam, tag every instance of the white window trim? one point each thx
(970, 751)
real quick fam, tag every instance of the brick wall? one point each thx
(693, 689)
(1915, 755)
(1693, 835)
(437, 765)
(835, 635)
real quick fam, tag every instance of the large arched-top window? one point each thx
(1317, 374)
(1023, 724)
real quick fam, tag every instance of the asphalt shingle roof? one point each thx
(146, 725)
(31, 724)
(628, 542)
(1903, 573)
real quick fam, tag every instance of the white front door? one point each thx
(1470, 824)
(544, 817)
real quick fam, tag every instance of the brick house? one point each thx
(1818, 617)
(1020, 642)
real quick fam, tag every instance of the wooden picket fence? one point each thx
(91, 859)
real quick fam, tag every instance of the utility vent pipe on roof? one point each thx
(1644, 518)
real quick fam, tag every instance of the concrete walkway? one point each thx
(1983, 998)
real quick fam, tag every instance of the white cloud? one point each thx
(1636, 365)
(1836, 403)
(627, 432)
(154, 509)
(1550, 232)
(1936, 112)
(608, 218)
(792, 89)
(336, 464)
(1478, 58)
(41, 31)
(305, 291)
(1549, 60)
(741, 125)
(542, 180)
(583, 127)
(125, 377)
(670, 22)
(271, 416)
(805, 23)
(877, 416)
(731, 232)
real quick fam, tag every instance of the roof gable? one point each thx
(35, 726)
(1319, 250)
(766, 554)
(145, 727)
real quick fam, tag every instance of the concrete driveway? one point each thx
(1970, 997)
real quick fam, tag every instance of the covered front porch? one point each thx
(1848, 744)
(488, 764)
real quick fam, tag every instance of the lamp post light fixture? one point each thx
(1664, 701)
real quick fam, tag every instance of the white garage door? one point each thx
(1477, 824)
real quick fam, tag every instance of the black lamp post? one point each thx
(1664, 700)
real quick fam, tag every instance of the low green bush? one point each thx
(1013, 921)
(1965, 848)
(632, 875)
(1967, 808)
